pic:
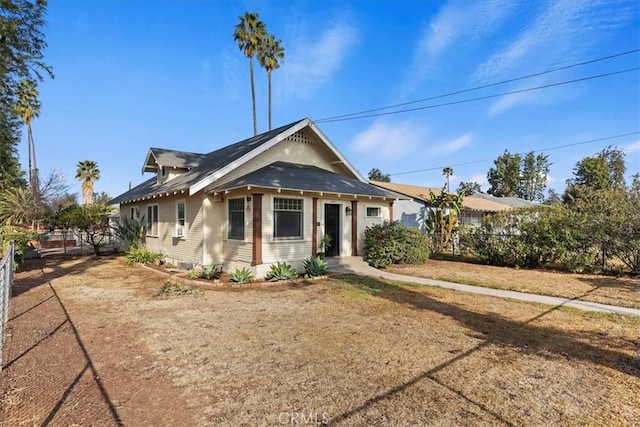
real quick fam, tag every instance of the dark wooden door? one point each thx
(332, 228)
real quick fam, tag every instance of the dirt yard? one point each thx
(91, 344)
(621, 291)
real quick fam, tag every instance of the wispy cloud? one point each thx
(458, 24)
(561, 32)
(633, 147)
(232, 69)
(312, 61)
(385, 142)
(451, 146)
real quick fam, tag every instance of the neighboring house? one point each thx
(265, 199)
(413, 212)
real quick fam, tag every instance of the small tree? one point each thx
(376, 174)
(442, 217)
(93, 221)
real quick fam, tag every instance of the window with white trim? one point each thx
(152, 220)
(180, 219)
(374, 212)
(287, 219)
(236, 219)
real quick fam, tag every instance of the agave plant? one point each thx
(241, 276)
(314, 267)
(281, 271)
(210, 271)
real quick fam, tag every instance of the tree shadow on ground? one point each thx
(626, 283)
(47, 337)
(507, 332)
(493, 329)
(40, 271)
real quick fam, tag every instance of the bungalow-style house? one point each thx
(413, 210)
(265, 199)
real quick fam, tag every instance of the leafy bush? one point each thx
(393, 243)
(314, 267)
(194, 273)
(140, 253)
(281, 271)
(173, 289)
(241, 276)
(21, 238)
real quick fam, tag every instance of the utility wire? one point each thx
(556, 147)
(553, 70)
(479, 98)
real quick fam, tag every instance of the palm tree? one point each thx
(270, 54)
(87, 172)
(249, 34)
(28, 107)
(18, 207)
(447, 172)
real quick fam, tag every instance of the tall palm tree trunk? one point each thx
(253, 97)
(269, 80)
(30, 155)
(34, 180)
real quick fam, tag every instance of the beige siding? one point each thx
(185, 250)
(291, 251)
(290, 150)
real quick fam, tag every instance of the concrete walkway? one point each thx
(356, 265)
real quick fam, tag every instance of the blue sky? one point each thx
(134, 74)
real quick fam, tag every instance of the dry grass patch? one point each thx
(621, 291)
(354, 351)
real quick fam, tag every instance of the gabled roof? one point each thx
(473, 203)
(170, 158)
(290, 176)
(514, 202)
(216, 164)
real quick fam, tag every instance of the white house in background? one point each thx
(412, 211)
(267, 198)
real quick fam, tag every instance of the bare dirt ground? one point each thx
(91, 344)
(621, 291)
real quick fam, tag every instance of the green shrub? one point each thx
(194, 273)
(21, 237)
(393, 243)
(172, 289)
(140, 253)
(241, 276)
(314, 267)
(281, 271)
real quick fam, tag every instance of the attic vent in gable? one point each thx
(301, 138)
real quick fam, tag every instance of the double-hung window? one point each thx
(374, 212)
(287, 214)
(152, 220)
(180, 219)
(236, 219)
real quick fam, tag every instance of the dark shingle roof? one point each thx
(208, 164)
(282, 175)
(178, 159)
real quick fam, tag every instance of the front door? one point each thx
(332, 228)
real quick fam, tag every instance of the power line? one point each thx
(556, 147)
(553, 70)
(482, 97)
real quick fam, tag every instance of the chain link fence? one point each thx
(6, 282)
